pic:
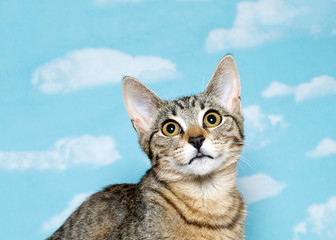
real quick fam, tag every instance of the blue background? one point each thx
(288, 162)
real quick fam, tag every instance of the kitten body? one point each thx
(194, 144)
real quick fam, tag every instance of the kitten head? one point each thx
(191, 136)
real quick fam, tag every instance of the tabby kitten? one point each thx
(194, 144)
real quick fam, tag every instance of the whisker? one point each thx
(247, 162)
(229, 143)
(243, 159)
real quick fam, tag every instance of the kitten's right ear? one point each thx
(141, 103)
(225, 84)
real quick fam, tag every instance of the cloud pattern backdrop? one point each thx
(65, 133)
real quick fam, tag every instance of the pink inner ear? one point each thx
(231, 95)
(142, 109)
(140, 125)
(236, 105)
(225, 83)
(139, 111)
(141, 103)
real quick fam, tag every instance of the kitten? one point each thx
(194, 144)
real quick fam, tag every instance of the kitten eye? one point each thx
(171, 129)
(211, 119)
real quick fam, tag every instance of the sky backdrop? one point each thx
(65, 134)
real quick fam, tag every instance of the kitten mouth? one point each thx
(199, 155)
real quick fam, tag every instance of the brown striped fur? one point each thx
(181, 197)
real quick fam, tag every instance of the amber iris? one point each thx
(171, 129)
(212, 119)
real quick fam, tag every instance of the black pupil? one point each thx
(171, 128)
(211, 119)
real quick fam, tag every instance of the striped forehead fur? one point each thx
(193, 104)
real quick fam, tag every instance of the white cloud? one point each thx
(262, 21)
(56, 221)
(94, 67)
(96, 151)
(317, 87)
(320, 223)
(300, 228)
(256, 119)
(333, 31)
(277, 120)
(324, 148)
(258, 187)
(256, 122)
(255, 23)
(277, 89)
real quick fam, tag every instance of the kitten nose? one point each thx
(196, 141)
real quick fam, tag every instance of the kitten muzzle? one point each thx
(199, 155)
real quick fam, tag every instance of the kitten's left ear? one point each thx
(225, 84)
(141, 103)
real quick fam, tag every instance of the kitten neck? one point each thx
(214, 194)
(211, 187)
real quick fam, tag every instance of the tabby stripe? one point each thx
(158, 204)
(150, 153)
(181, 200)
(191, 208)
(193, 103)
(179, 104)
(199, 224)
(235, 140)
(235, 120)
(231, 127)
(156, 162)
(162, 182)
